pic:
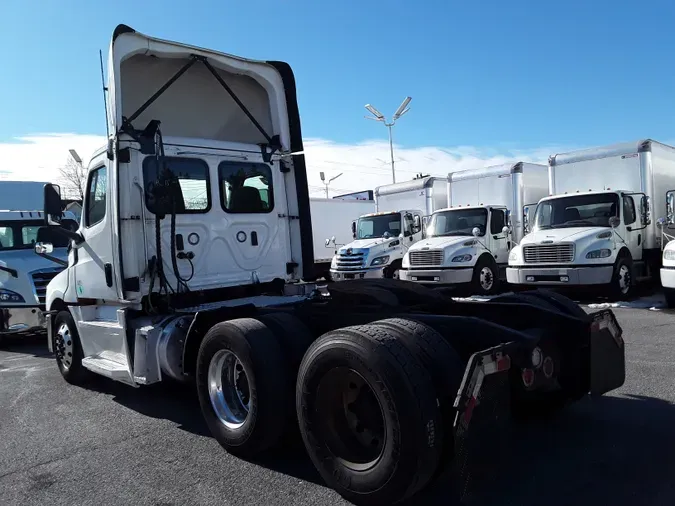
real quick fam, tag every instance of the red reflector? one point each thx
(469, 410)
(528, 377)
(595, 327)
(504, 363)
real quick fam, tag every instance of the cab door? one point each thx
(499, 243)
(634, 229)
(94, 269)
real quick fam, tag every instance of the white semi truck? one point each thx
(195, 232)
(381, 239)
(596, 228)
(332, 227)
(23, 274)
(469, 241)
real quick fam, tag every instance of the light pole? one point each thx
(326, 183)
(378, 116)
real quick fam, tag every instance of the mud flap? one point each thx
(482, 421)
(608, 353)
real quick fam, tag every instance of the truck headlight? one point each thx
(10, 296)
(669, 254)
(380, 260)
(599, 253)
(461, 258)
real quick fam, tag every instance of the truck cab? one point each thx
(380, 243)
(583, 239)
(462, 245)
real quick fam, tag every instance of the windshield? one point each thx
(371, 227)
(15, 235)
(457, 222)
(576, 211)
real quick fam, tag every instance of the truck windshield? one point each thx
(576, 211)
(16, 235)
(457, 222)
(370, 227)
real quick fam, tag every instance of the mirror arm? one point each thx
(75, 236)
(12, 272)
(53, 259)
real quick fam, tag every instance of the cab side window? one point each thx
(629, 215)
(497, 221)
(97, 190)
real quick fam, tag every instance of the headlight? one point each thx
(462, 258)
(10, 296)
(669, 254)
(380, 260)
(599, 253)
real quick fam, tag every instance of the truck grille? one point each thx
(427, 257)
(40, 281)
(352, 261)
(549, 253)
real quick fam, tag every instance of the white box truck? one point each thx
(332, 227)
(203, 289)
(469, 241)
(23, 274)
(596, 228)
(381, 239)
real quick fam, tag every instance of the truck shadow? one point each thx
(607, 450)
(32, 344)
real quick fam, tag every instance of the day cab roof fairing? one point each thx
(201, 94)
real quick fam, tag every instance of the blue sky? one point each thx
(488, 74)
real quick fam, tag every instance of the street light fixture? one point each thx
(378, 116)
(326, 183)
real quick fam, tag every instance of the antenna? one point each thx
(105, 90)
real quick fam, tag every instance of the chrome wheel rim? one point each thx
(486, 279)
(229, 389)
(624, 279)
(64, 346)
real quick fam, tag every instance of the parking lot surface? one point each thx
(113, 444)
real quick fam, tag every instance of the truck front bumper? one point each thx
(21, 319)
(438, 276)
(561, 276)
(375, 273)
(668, 277)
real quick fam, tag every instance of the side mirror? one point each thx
(670, 206)
(401, 236)
(614, 222)
(417, 222)
(44, 248)
(327, 243)
(645, 210)
(508, 217)
(52, 204)
(354, 229)
(475, 231)
(506, 230)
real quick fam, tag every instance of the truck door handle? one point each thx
(108, 274)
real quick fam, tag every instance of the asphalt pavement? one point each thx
(110, 444)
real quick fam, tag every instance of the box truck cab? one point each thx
(667, 225)
(381, 239)
(596, 229)
(469, 242)
(23, 274)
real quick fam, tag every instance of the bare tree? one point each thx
(72, 180)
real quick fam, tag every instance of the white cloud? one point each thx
(364, 165)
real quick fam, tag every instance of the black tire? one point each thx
(294, 338)
(485, 267)
(408, 433)
(68, 349)
(622, 274)
(266, 389)
(392, 272)
(669, 294)
(439, 358)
